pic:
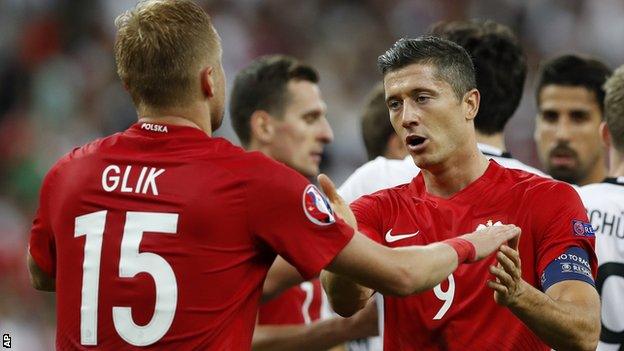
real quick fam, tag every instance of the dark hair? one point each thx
(500, 68)
(262, 86)
(376, 126)
(614, 107)
(575, 71)
(453, 63)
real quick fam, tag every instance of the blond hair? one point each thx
(160, 48)
(614, 107)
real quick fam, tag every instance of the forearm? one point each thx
(563, 325)
(345, 296)
(38, 278)
(400, 271)
(428, 265)
(281, 276)
(320, 335)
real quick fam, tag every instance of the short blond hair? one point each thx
(614, 107)
(160, 48)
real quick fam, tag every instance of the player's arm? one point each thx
(566, 316)
(398, 271)
(39, 279)
(319, 335)
(281, 276)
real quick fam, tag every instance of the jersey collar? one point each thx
(489, 150)
(166, 130)
(468, 194)
(614, 180)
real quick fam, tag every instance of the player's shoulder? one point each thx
(81, 152)
(602, 193)
(512, 163)
(534, 186)
(598, 187)
(385, 196)
(258, 170)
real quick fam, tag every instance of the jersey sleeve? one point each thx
(366, 211)
(42, 246)
(294, 218)
(560, 222)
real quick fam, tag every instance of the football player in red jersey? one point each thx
(548, 301)
(159, 237)
(276, 108)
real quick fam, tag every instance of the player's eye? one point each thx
(550, 116)
(394, 105)
(421, 99)
(310, 118)
(579, 116)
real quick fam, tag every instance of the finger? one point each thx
(512, 254)
(502, 234)
(508, 265)
(502, 276)
(329, 188)
(511, 233)
(515, 241)
(498, 287)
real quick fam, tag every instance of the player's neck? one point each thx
(616, 163)
(497, 140)
(192, 116)
(456, 173)
(596, 175)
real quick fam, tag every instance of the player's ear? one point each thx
(471, 103)
(605, 134)
(207, 81)
(262, 127)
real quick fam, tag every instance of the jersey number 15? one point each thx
(131, 263)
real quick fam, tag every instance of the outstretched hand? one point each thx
(338, 204)
(488, 240)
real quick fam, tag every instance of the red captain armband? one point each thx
(465, 250)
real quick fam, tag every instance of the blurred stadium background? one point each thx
(59, 89)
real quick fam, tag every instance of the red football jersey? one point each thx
(298, 305)
(460, 313)
(160, 237)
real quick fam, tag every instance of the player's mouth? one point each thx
(316, 157)
(563, 157)
(416, 143)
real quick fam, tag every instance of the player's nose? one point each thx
(325, 132)
(563, 129)
(409, 115)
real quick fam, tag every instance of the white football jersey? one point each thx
(605, 208)
(382, 173)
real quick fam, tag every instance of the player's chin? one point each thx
(310, 170)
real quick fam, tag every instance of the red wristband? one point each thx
(464, 248)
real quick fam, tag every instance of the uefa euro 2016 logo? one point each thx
(316, 207)
(580, 228)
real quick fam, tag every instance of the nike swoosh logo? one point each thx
(392, 238)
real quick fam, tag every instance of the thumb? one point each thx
(329, 188)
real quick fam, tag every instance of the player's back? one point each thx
(605, 208)
(153, 242)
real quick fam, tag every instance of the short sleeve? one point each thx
(366, 211)
(558, 215)
(42, 247)
(295, 219)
